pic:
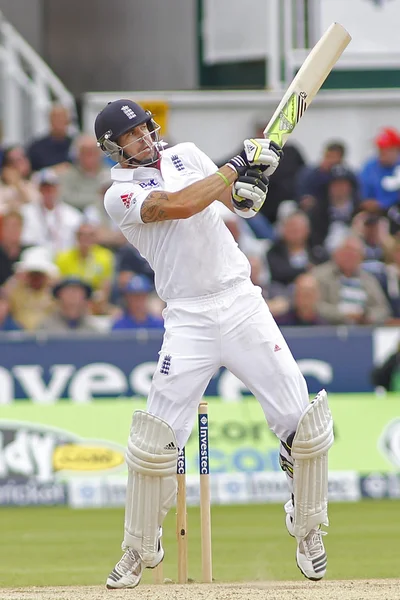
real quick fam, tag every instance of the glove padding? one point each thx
(249, 192)
(260, 153)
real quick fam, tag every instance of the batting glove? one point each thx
(249, 192)
(260, 153)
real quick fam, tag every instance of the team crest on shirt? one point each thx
(177, 162)
(127, 199)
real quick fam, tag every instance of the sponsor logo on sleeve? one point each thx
(127, 199)
(148, 184)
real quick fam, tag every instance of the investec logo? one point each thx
(203, 434)
(181, 466)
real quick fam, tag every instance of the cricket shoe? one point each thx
(128, 572)
(311, 555)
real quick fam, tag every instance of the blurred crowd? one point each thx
(325, 248)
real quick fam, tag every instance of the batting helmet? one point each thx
(117, 118)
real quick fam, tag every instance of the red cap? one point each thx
(388, 138)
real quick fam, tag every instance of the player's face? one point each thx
(137, 143)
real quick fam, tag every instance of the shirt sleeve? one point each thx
(123, 203)
(207, 166)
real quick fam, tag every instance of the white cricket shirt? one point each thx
(190, 257)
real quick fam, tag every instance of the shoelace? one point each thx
(130, 561)
(313, 543)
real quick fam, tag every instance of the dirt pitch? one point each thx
(374, 589)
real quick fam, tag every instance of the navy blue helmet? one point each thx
(117, 118)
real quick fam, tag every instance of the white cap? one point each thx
(36, 259)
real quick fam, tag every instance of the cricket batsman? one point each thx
(163, 200)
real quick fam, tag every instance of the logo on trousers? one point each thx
(166, 364)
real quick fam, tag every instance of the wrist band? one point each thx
(224, 179)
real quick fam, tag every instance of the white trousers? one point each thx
(234, 329)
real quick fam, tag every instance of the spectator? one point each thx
(304, 309)
(16, 188)
(389, 278)
(261, 224)
(373, 231)
(387, 374)
(349, 295)
(53, 149)
(242, 233)
(10, 244)
(136, 299)
(80, 184)
(379, 177)
(129, 263)
(292, 255)
(72, 298)
(30, 296)
(331, 216)
(89, 262)
(7, 323)
(312, 181)
(282, 185)
(50, 222)
(106, 232)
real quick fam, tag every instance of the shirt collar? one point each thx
(119, 174)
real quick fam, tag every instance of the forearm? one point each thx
(164, 206)
(201, 194)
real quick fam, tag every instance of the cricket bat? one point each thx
(308, 80)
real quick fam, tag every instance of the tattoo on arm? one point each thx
(153, 208)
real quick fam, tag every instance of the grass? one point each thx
(61, 546)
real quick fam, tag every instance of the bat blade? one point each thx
(307, 82)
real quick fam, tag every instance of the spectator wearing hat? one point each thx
(72, 296)
(90, 262)
(7, 323)
(50, 222)
(80, 184)
(311, 182)
(331, 216)
(53, 150)
(380, 175)
(30, 291)
(136, 300)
